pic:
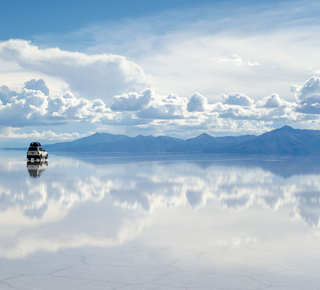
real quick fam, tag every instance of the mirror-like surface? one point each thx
(177, 223)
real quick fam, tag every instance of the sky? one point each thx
(177, 68)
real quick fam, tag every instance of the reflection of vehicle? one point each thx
(36, 168)
(36, 151)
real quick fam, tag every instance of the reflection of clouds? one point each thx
(308, 208)
(234, 187)
(150, 186)
(126, 194)
(236, 242)
(54, 237)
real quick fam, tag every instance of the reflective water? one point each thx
(178, 223)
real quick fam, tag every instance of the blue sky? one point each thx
(25, 19)
(178, 68)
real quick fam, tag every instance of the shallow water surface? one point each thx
(202, 222)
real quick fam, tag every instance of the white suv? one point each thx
(36, 151)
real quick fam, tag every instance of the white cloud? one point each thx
(284, 114)
(33, 108)
(308, 96)
(26, 108)
(39, 85)
(197, 103)
(237, 99)
(170, 107)
(68, 107)
(13, 133)
(91, 76)
(272, 101)
(132, 101)
(236, 60)
(5, 95)
(310, 89)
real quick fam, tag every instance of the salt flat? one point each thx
(187, 223)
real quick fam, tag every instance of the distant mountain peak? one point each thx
(143, 137)
(284, 140)
(203, 136)
(283, 130)
(286, 128)
(203, 139)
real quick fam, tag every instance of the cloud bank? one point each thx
(93, 76)
(148, 111)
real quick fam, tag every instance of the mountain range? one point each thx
(283, 141)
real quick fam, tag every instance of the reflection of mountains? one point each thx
(285, 167)
(149, 185)
(282, 166)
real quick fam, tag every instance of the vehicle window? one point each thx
(33, 149)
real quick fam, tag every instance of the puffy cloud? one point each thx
(310, 89)
(38, 85)
(92, 76)
(170, 107)
(132, 101)
(283, 114)
(149, 113)
(34, 108)
(5, 95)
(308, 96)
(126, 119)
(272, 101)
(197, 103)
(237, 113)
(69, 107)
(237, 99)
(23, 109)
(269, 109)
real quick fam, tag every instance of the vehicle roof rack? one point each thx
(35, 144)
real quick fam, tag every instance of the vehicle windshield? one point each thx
(33, 148)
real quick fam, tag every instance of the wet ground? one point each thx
(159, 223)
